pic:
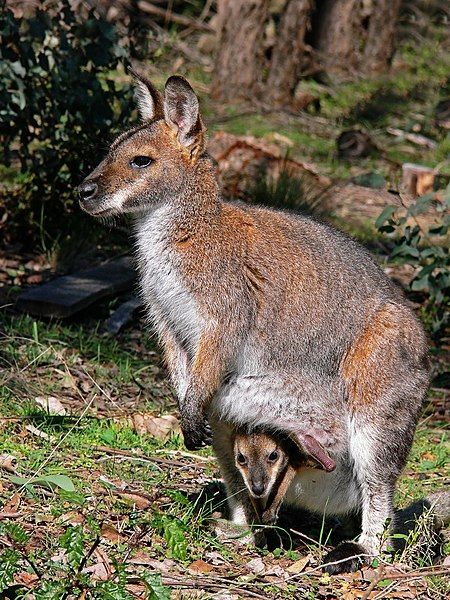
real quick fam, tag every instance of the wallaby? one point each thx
(266, 319)
(268, 464)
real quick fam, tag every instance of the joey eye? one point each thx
(241, 458)
(140, 162)
(273, 456)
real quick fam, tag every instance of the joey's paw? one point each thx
(196, 436)
(269, 517)
(345, 558)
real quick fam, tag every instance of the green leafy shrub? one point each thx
(423, 244)
(58, 102)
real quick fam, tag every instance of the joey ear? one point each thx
(181, 111)
(149, 100)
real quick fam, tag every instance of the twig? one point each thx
(302, 535)
(24, 555)
(156, 459)
(375, 581)
(203, 583)
(329, 564)
(89, 553)
(187, 455)
(418, 574)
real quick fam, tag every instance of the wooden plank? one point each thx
(67, 295)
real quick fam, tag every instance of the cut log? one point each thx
(417, 179)
(64, 296)
(122, 315)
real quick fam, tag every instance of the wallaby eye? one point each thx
(273, 456)
(241, 458)
(140, 162)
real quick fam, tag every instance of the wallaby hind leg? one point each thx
(378, 457)
(377, 510)
(242, 510)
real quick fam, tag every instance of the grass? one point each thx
(134, 523)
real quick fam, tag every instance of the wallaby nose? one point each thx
(258, 488)
(87, 190)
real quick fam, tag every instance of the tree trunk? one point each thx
(240, 52)
(288, 52)
(379, 47)
(356, 36)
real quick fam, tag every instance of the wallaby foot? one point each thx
(196, 435)
(345, 558)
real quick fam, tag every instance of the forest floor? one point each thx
(99, 494)
(99, 498)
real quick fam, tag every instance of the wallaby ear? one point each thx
(308, 440)
(149, 100)
(310, 445)
(181, 111)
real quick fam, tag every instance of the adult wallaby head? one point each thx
(149, 164)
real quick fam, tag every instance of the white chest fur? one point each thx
(169, 303)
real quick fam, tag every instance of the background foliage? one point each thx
(59, 105)
(422, 247)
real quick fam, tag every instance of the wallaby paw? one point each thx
(345, 558)
(269, 517)
(195, 437)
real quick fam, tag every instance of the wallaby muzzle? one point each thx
(89, 198)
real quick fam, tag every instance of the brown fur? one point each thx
(362, 365)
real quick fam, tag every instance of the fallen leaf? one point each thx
(278, 571)
(51, 405)
(215, 558)
(256, 565)
(35, 431)
(166, 565)
(146, 423)
(13, 503)
(8, 462)
(33, 279)
(428, 456)
(71, 518)
(25, 578)
(97, 571)
(199, 567)
(139, 501)
(110, 533)
(299, 565)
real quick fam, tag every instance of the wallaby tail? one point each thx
(428, 516)
(440, 507)
(436, 504)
